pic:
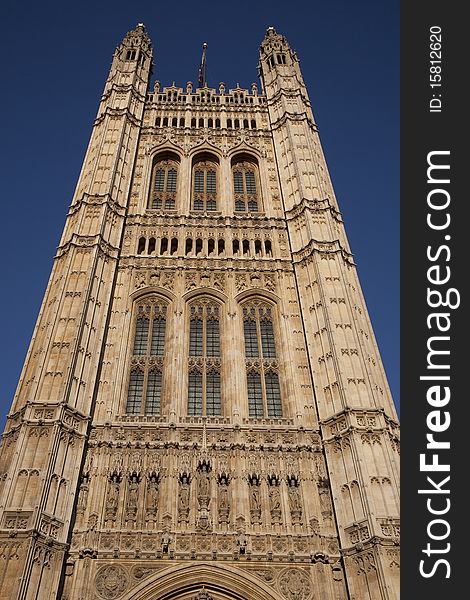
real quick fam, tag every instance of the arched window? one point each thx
(245, 184)
(147, 358)
(262, 372)
(163, 186)
(204, 359)
(204, 186)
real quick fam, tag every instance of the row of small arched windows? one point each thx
(203, 247)
(204, 183)
(201, 122)
(274, 59)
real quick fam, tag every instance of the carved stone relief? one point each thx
(295, 584)
(111, 581)
(183, 497)
(295, 501)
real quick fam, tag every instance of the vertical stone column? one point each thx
(356, 412)
(47, 426)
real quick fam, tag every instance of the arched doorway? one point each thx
(202, 581)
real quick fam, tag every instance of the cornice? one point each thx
(289, 93)
(98, 200)
(368, 545)
(216, 263)
(88, 241)
(118, 112)
(123, 88)
(222, 221)
(314, 206)
(291, 116)
(277, 75)
(321, 247)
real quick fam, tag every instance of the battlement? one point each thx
(191, 96)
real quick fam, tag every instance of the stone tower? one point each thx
(203, 412)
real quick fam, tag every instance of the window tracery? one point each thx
(163, 186)
(245, 186)
(204, 186)
(147, 359)
(204, 365)
(262, 369)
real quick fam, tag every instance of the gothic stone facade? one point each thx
(203, 412)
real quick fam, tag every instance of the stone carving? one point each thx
(295, 584)
(270, 282)
(83, 494)
(266, 575)
(255, 501)
(242, 542)
(113, 496)
(141, 572)
(132, 496)
(202, 595)
(128, 541)
(315, 525)
(325, 500)
(90, 538)
(11, 550)
(43, 556)
(203, 495)
(224, 502)
(183, 497)
(204, 521)
(274, 499)
(240, 282)
(135, 458)
(258, 545)
(165, 540)
(365, 563)
(16, 520)
(111, 581)
(394, 557)
(151, 500)
(107, 541)
(185, 462)
(390, 527)
(295, 502)
(203, 484)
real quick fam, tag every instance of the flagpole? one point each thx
(202, 68)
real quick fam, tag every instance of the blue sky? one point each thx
(56, 56)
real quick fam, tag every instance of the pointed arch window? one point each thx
(204, 366)
(204, 186)
(147, 358)
(245, 185)
(262, 367)
(164, 180)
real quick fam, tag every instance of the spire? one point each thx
(273, 41)
(137, 36)
(202, 69)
